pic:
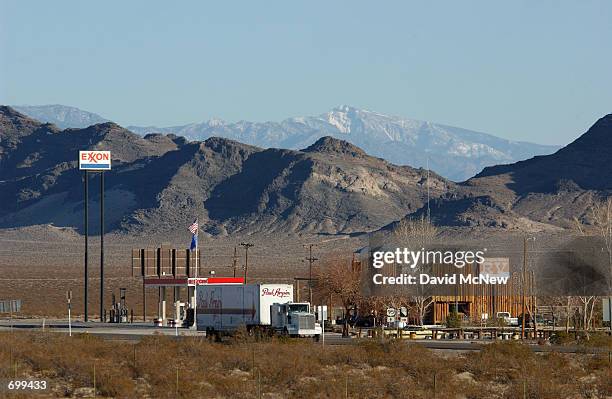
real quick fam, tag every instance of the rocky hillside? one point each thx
(159, 183)
(544, 192)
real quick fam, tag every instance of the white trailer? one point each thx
(225, 308)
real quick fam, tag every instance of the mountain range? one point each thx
(159, 182)
(61, 116)
(453, 152)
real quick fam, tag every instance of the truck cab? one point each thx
(295, 320)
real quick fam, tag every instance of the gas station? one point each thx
(183, 311)
(167, 268)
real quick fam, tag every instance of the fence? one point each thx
(10, 306)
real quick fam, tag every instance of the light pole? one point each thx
(524, 281)
(310, 260)
(234, 260)
(246, 246)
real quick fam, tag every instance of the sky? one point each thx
(538, 71)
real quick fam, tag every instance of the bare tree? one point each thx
(378, 305)
(339, 278)
(600, 218)
(422, 304)
(417, 234)
(588, 306)
(568, 313)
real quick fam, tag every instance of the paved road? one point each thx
(136, 331)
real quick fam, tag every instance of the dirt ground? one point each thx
(40, 266)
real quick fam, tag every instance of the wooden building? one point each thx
(477, 301)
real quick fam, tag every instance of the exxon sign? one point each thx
(94, 160)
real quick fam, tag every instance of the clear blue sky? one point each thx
(526, 70)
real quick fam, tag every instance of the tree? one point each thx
(422, 303)
(377, 305)
(339, 278)
(417, 234)
(600, 218)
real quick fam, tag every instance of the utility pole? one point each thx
(523, 288)
(246, 246)
(534, 304)
(310, 260)
(234, 261)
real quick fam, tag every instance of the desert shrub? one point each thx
(561, 338)
(453, 320)
(298, 368)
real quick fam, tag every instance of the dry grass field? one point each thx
(162, 367)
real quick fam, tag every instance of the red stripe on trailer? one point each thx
(225, 280)
(193, 281)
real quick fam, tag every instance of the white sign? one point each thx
(94, 160)
(321, 312)
(495, 267)
(391, 312)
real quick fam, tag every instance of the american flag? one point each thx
(194, 227)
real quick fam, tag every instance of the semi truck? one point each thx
(260, 308)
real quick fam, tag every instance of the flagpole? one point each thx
(197, 243)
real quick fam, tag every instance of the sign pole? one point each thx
(94, 161)
(102, 247)
(86, 180)
(195, 293)
(69, 297)
(323, 331)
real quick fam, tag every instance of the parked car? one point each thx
(510, 321)
(540, 320)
